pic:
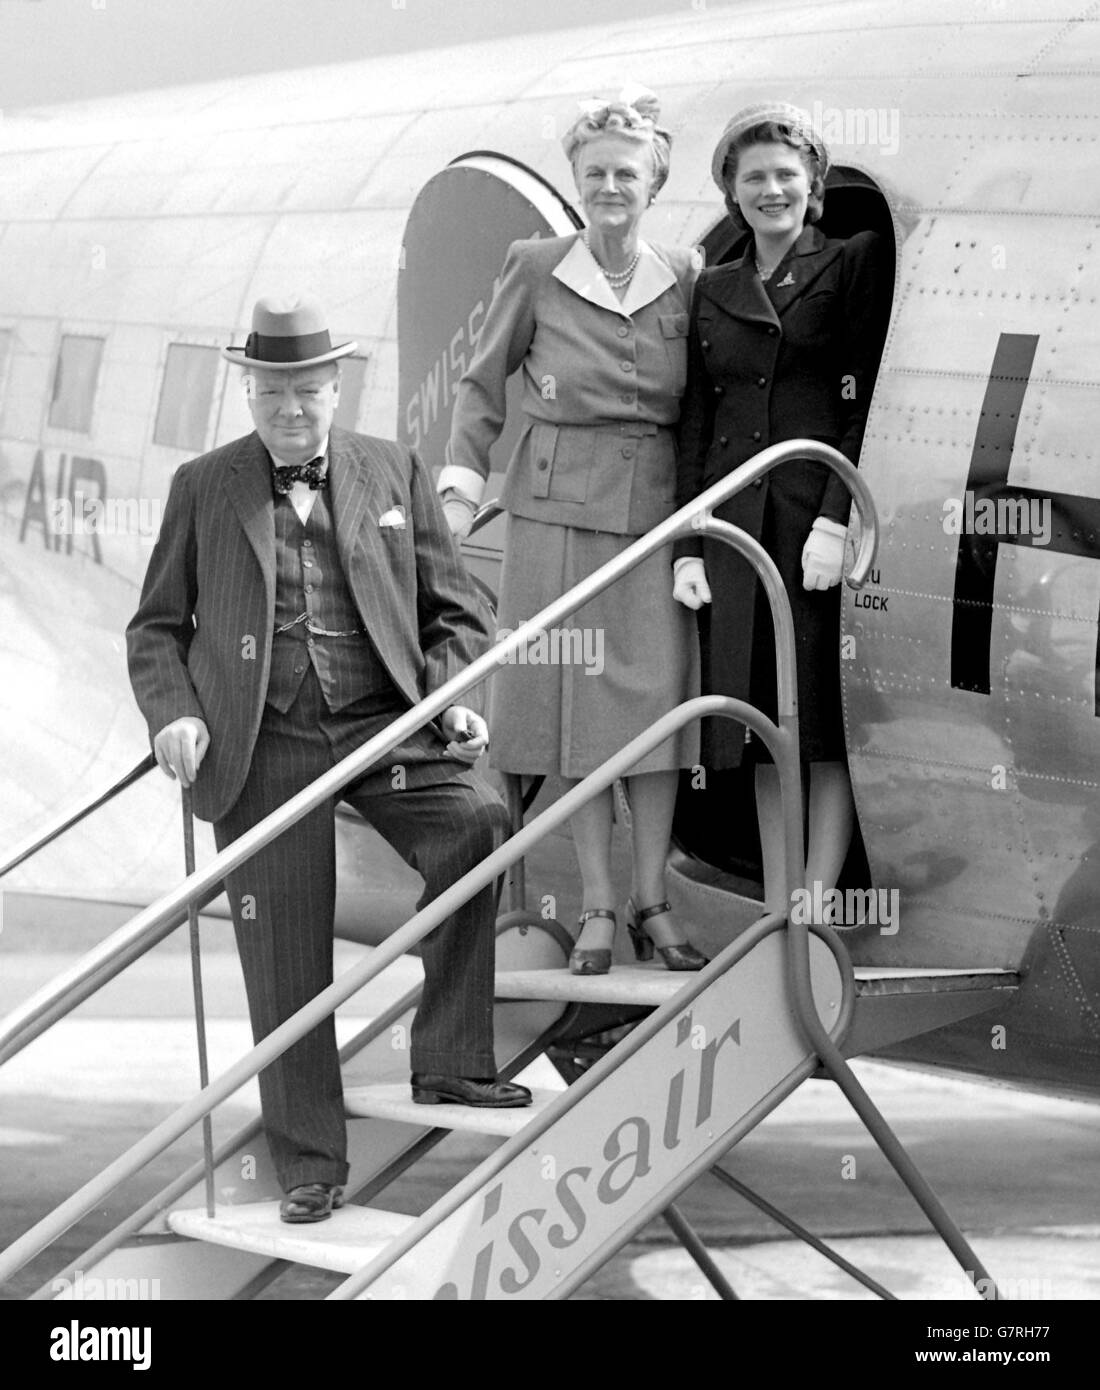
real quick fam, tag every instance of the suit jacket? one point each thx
(200, 642)
(797, 358)
(602, 380)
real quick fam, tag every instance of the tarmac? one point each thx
(1017, 1171)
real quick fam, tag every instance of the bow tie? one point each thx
(284, 478)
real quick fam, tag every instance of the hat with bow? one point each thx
(288, 334)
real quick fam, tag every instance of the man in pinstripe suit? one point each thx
(303, 592)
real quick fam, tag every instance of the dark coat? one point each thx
(200, 642)
(795, 358)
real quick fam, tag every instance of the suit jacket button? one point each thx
(543, 465)
(757, 482)
(723, 440)
(756, 436)
(706, 342)
(762, 381)
(628, 451)
(718, 390)
(772, 332)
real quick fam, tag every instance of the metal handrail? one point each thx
(782, 740)
(105, 960)
(67, 819)
(693, 517)
(35, 1240)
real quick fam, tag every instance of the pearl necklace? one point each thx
(617, 279)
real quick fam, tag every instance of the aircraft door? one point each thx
(458, 233)
(716, 819)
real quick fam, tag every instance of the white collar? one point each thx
(579, 270)
(322, 453)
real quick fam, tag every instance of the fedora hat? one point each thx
(287, 334)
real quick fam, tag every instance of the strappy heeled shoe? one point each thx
(595, 961)
(682, 955)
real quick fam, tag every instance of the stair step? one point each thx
(345, 1242)
(877, 979)
(652, 984)
(395, 1102)
(645, 985)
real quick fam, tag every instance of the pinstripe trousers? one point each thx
(442, 822)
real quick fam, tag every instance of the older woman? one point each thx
(597, 322)
(785, 343)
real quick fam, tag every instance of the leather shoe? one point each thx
(311, 1201)
(487, 1092)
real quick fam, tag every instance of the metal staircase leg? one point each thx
(688, 1237)
(807, 1237)
(783, 745)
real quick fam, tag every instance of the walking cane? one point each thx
(196, 982)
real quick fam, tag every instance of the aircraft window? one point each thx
(186, 395)
(74, 382)
(353, 371)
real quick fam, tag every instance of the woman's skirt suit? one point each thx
(793, 358)
(594, 469)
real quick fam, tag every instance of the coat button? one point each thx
(543, 465)
(627, 366)
(762, 381)
(628, 451)
(756, 436)
(723, 440)
(772, 332)
(706, 342)
(627, 398)
(718, 390)
(757, 482)
(622, 330)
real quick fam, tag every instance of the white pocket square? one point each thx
(395, 517)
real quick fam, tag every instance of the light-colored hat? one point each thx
(287, 334)
(779, 112)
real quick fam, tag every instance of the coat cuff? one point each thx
(686, 548)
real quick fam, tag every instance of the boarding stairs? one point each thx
(695, 1061)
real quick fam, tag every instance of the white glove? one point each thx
(823, 554)
(459, 511)
(689, 582)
